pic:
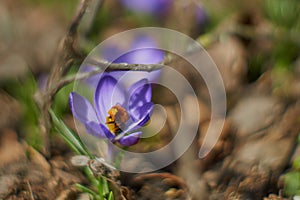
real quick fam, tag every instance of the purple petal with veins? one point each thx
(108, 93)
(82, 109)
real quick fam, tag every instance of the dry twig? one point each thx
(101, 66)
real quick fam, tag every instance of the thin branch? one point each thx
(134, 67)
(90, 17)
(101, 64)
(112, 67)
(78, 17)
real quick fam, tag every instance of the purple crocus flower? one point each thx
(153, 7)
(142, 50)
(117, 114)
(202, 19)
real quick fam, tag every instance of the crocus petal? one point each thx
(94, 129)
(108, 93)
(153, 7)
(139, 94)
(139, 113)
(110, 51)
(144, 113)
(107, 133)
(141, 88)
(81, 108)
(91, 81)
(144, 121)
(142, 56)
(134, 125)
(144, 51)
(130, 139)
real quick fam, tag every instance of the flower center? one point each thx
(116, 119)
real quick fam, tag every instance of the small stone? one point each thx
(255, 113)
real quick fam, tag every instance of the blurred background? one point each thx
(256, 46)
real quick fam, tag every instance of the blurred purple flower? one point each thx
(153, 7)
(117, 113)
(201, 18)
(143, 50)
